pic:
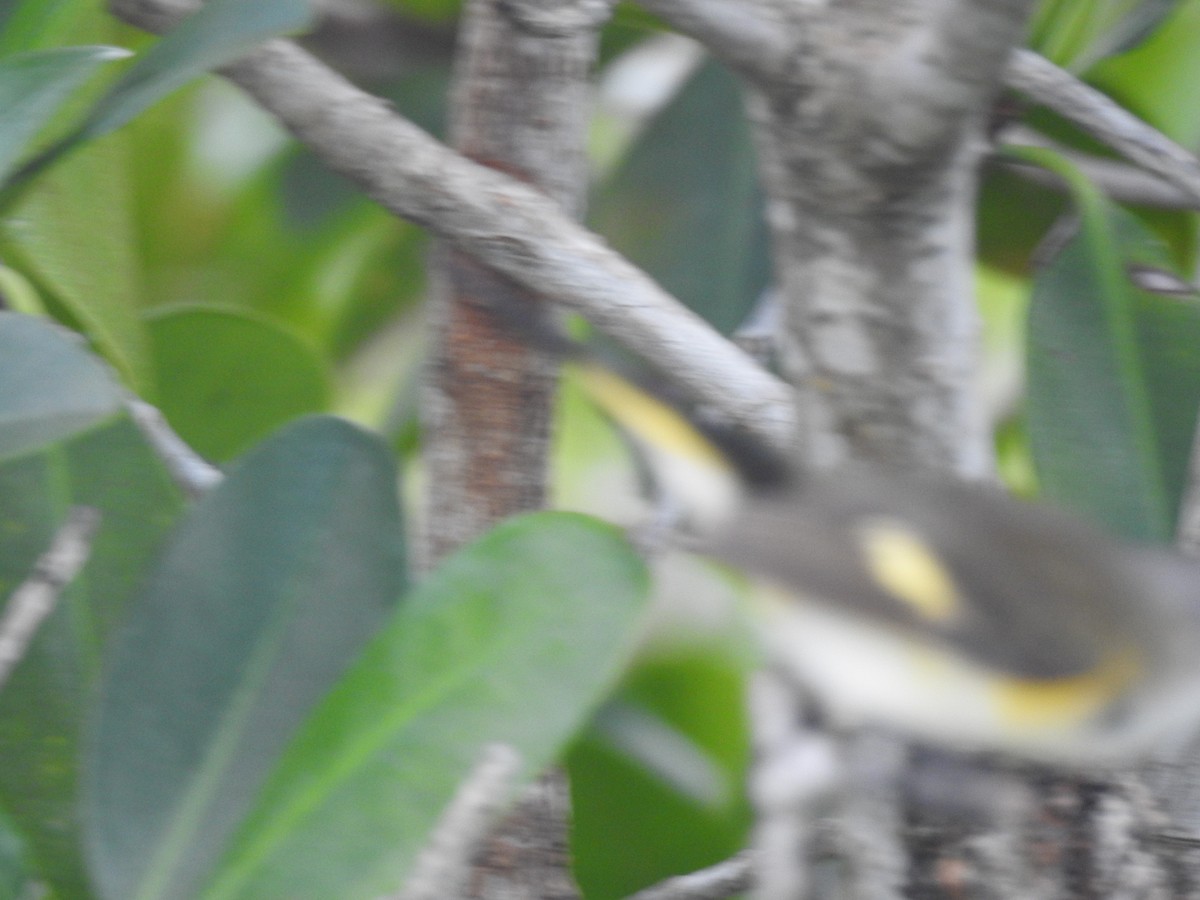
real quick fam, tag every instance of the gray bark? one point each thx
(500, 221)
(520, 104)
(869, 151)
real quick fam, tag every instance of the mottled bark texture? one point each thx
(869, 151)
(520, 104)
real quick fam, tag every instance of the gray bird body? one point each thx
(1034, 632)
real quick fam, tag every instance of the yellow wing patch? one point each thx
(903, 565)
(1064, 701)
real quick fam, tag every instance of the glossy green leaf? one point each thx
(33, 88)
(64, 445)
(263, 594)
(515, 640)
(1155, 79)
(656, 781)
(1075, 34)
(1114, 377)
(227, 378)
(50, 387)
(32, 24)
(16, 881)
(72, 236)
(43, 705)
(219, 32)
(685, 204)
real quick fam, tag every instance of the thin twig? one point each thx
(1104, 119)
(441, 869)
(1187, 532)
(192, 473)
(35, 598)
(725, 879)
(505, 224)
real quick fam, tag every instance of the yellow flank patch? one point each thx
(904, 566)
(647, 418)
(1063, 701)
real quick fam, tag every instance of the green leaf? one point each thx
(50, 387)
(685, 205)
(1153, 79)
(1114, 379)
(515, 640)
(18, 295)
(31, 24)
(219, 32)
(64, 445)
(33, 88)
(656, 781)
(72, 236)
(70, 233)
(45, 701)
(227, 378)
(263, 594)
(16, 881)
(1075, 34)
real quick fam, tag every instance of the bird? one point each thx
(968, 619)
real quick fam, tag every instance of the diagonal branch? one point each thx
(725, 879)
(1104, 119)
(443, 867)
(190, 472)
(498, 220)
(35, 598)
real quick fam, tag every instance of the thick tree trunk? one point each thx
(520, 104)
(869, 152)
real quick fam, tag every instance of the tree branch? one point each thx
(501, 222)
(35, 598)
(194, 475)
(725, 879)
(1187, 537)
(519, 104)
(869, 150)
(755, 41)
(442, 868)
(755, 37)
(1104, 119)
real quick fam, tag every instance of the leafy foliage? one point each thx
(243, 696)
(1114, 374)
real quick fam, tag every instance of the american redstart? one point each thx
(958, 615)
(947, 611)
